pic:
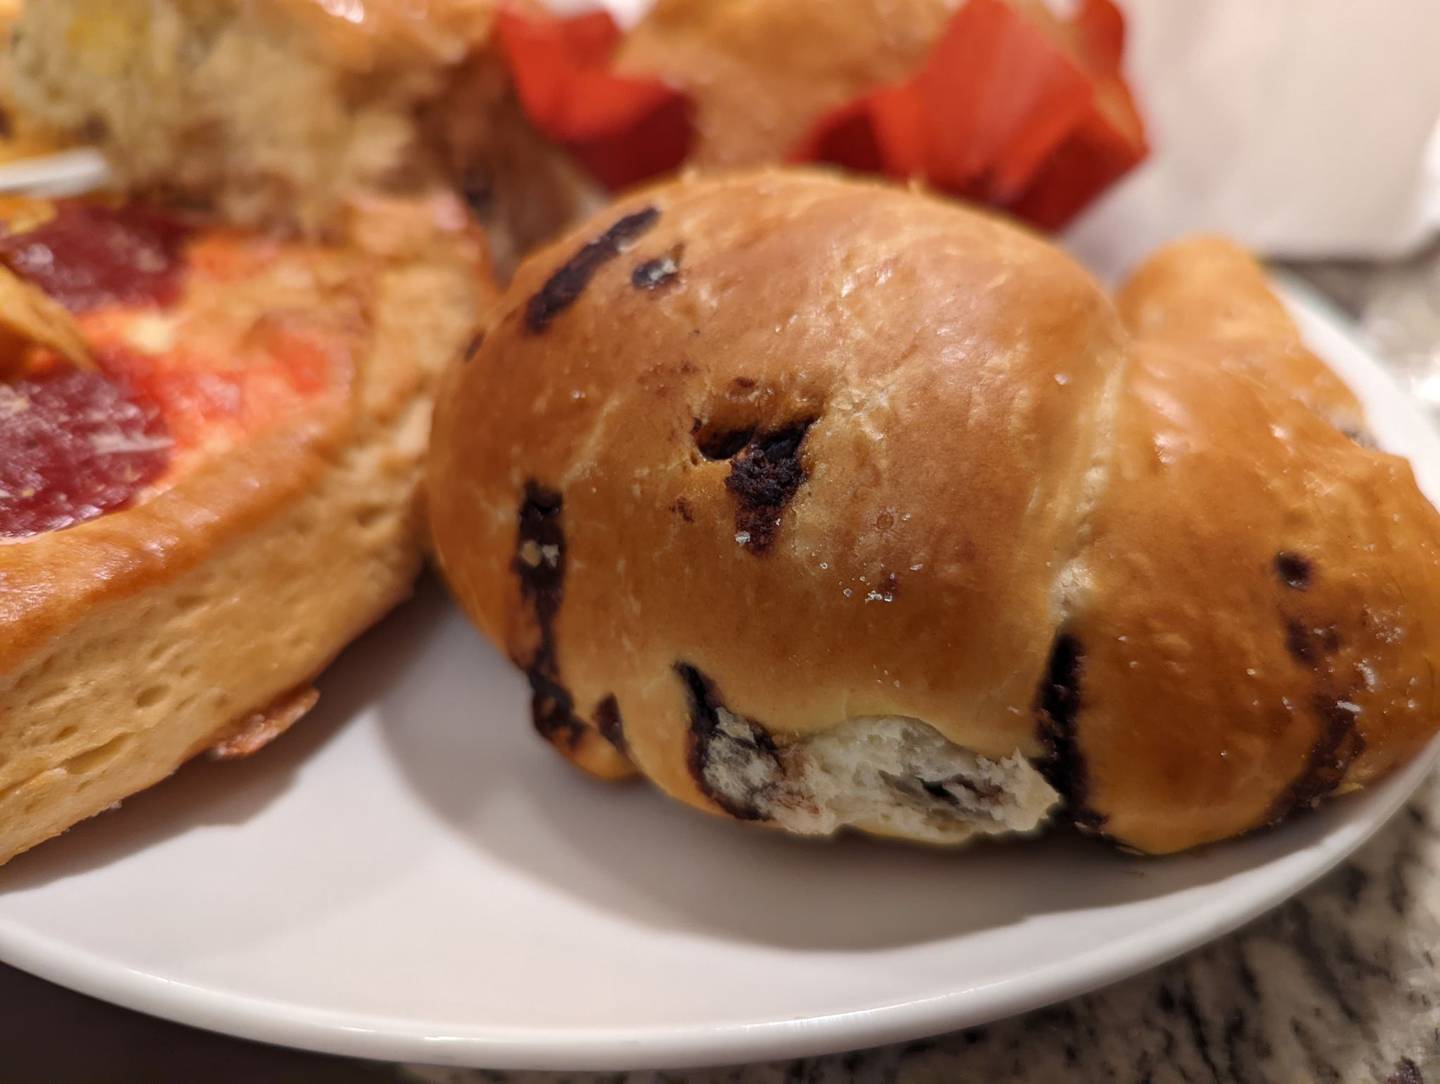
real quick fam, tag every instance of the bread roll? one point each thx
(823, 504)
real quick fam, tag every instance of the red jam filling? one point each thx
(90, 255)
(73, 446)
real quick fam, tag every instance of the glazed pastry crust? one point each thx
(745, 458)
(1259, 625)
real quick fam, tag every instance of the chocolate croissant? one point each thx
(824, 504)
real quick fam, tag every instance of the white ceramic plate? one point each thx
(412, 875)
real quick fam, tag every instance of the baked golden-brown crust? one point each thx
(135, 640)
(1206, 290)
(762, 73)
(1258, 625)
(747, 461)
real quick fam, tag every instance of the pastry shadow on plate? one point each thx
(457, 727)
(205, 793)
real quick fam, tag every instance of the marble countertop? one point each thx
(1338, 985)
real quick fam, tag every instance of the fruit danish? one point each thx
(210, 447)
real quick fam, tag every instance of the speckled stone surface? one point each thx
(1337, 986)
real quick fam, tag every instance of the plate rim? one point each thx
(678, 1047)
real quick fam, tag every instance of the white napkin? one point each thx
(1305, 128)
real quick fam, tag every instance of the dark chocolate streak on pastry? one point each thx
(1310, 643)
(721, 444)
(610, 724)
(1406, 1072)
(1297, 642)
(1360, 436)
(930, 792)
(704, 737)
(1294, 571)
(935, 790)
(565, 285)
(661, 271)
(540, 564)
(1335, 749)
(985, 792)
(1057, 704)
(1338, 741)
(764, 476)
